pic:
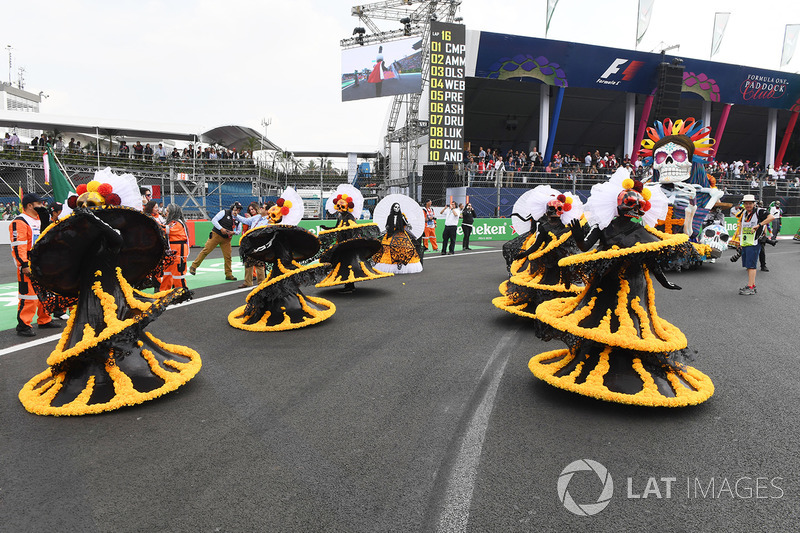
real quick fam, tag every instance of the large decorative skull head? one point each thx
(673, 162)
(716, 237)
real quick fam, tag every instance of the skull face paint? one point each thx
(673, 163)
(275, 215)
(630, 203)
(555, 208)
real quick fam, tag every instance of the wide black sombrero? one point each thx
(260, 243)
(59, 254)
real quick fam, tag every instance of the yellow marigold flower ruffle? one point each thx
(687, 386)
(183, 363)
(594, 255)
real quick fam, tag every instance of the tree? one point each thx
(311, 166)
(251, 144)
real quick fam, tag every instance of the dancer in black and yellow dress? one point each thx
(620, 350)
(523, 221)
(277, 303)
(402, 223)
(536, 275)
(92, 260)
(349, 247)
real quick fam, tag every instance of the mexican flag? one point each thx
(53, 175)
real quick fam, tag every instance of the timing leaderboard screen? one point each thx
(446, 112)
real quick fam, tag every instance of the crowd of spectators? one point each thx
(138, 151)
(492, 166)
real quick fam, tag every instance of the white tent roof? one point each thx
(228, 136)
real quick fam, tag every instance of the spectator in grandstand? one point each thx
(499, 170)
(175, 154)
(482, 154)
(7, 142)
(59, 146)
(34, 143)
(472, 168)
(124, 149)
(14, 140)
(148, 152)
(161, 153)
(138, 150)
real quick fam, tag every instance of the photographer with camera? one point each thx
(450, 225)
(752, 221)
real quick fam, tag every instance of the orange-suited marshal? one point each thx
(175, 274)
(24, 230)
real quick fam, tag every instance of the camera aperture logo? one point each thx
(585, 509)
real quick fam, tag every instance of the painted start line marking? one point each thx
(51, 338)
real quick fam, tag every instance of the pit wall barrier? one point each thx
(484, 229)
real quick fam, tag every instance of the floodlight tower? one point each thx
(416, 17)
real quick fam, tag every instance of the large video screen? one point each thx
(385, 69)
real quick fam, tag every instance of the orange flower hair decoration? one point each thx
(343, 203)
(94, 193)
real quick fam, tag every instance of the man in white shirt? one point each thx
(776, 211)
(499, 169)
(450, 224)
(161, 152)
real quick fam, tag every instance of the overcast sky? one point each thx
(205, 63)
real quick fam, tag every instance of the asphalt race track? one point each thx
(412, 409)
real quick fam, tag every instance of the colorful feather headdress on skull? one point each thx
(688, 133)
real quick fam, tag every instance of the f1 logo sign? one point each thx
(627, 74)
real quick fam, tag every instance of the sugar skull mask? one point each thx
(673, 162)
(716, 237)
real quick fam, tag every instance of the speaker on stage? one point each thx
(668, 93)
